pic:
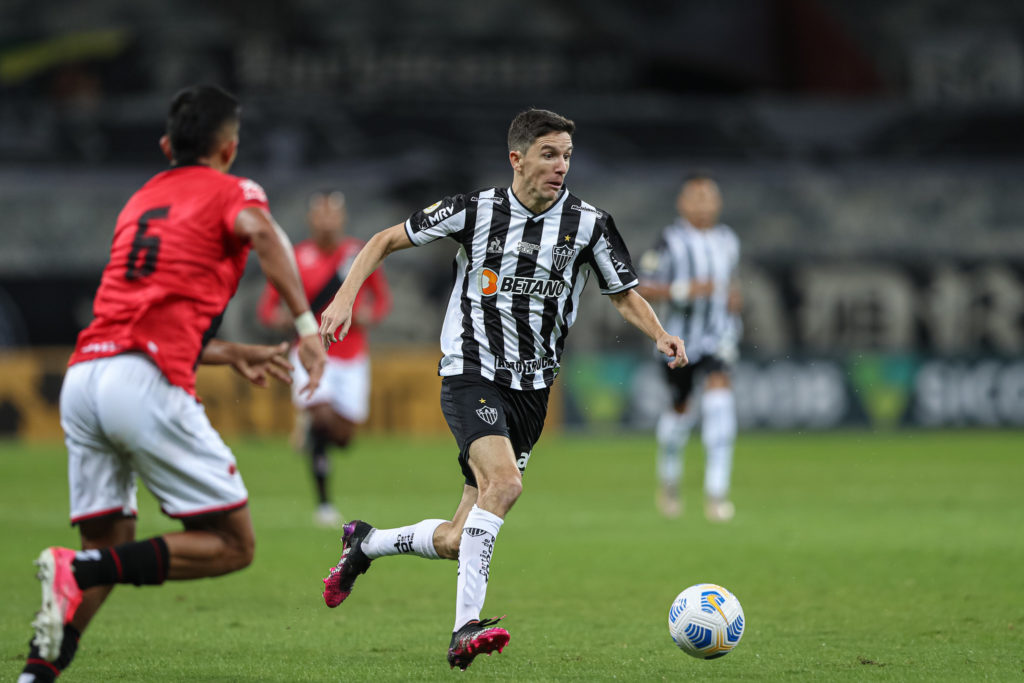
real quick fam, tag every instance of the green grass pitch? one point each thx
(857, 556)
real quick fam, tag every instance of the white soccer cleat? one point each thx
(327, 516)
(61, 598)
(670, 505)
(719, 510)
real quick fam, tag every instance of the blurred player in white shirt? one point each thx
(693, 269)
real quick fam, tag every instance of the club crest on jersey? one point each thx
(487, 414)
(561, 254)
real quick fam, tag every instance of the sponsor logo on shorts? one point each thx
(523, 366)
(487, 414)
(561, 255)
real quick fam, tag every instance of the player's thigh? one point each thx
(492, 458)
(350, 388)
(526, 411)
(178, 455)
(473, 409)
(101, 482)
(680, 384)
(344, 386)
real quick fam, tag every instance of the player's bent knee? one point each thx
(447, 546)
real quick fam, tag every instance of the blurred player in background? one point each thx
(332, 414)
(524, 255)
(128, 404)
(693, 269)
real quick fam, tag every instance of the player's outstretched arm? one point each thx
(337, 317)
(277, 259)
(255, 362)
(636, 311)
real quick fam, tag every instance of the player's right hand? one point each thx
(335, 321)
(314, 359)
(673, 347)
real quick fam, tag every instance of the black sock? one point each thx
(321, 465)
(143, 563)
(45, 671)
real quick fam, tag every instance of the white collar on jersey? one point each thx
(517, 206)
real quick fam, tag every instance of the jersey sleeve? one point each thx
(243, 194)
(656, 263)
(445, 218)
(610, 260)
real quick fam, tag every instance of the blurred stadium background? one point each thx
(870, 155)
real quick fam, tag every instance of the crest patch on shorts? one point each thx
(487, 414)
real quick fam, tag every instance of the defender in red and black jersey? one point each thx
(333, 412)
(128, 405)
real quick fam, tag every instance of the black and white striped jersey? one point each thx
(684, 253)
(518, 280)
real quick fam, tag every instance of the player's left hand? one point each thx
(256, 362)
(673, 347)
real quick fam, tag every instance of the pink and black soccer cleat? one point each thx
(477, 637)
(353, 562)
(61, 598)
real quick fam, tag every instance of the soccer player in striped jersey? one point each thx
(524, 254)
(693, 269)
(128, 405)
(330, 415)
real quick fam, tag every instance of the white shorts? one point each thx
(345, 386)
(122, 418)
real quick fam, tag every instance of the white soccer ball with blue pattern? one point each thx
(706, 621)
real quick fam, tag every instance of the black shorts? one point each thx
(680, 380)
(476, 407)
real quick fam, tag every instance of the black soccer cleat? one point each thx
(477, 637)
(353, 562)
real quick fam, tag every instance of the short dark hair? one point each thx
(700, 174)
(196, 116)
(529, 125)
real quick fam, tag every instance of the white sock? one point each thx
(417, 539)
(673, 431)
(719, 433)
(475, 550)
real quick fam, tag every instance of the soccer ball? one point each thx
(706, 621)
